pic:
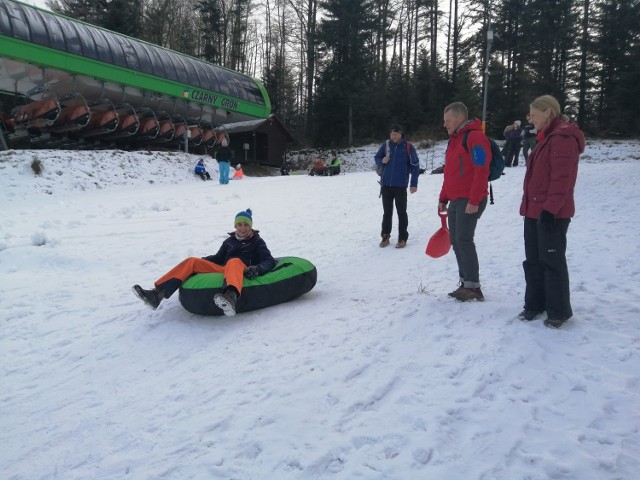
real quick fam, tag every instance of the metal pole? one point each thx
(486, 70)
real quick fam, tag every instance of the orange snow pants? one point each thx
(170, 282)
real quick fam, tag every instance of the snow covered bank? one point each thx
(374, 374)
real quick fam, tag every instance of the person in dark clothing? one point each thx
(547, 207)
(285, 168)
(397, 161)
(529, 133)
(243, 254)
(513, 134)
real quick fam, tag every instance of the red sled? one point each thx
(439, 243)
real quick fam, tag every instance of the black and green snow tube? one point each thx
(290, 278)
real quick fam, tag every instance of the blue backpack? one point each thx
(496, 166)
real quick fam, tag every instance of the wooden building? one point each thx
(262, 142)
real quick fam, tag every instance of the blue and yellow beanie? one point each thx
(244, 217)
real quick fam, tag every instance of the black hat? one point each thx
(396, 128)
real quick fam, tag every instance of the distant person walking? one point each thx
(465, 191)
(397, 161)
(547, 207)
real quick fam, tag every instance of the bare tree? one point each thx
(307, 14)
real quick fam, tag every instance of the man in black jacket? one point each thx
(243, 254)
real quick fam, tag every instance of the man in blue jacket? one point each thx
(396, 161)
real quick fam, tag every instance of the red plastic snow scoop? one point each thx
(439, 243)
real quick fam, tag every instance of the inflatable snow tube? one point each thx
(290, 278)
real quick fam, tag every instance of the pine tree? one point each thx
(90, 11)
(123, 16)
(617, 52)
(344, 96)
(211, 30)
(239, 22)
(157, 21)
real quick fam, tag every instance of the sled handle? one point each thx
(443, 218)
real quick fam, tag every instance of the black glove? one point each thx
(547, 220)
(253, 271)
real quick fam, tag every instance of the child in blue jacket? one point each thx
(202, 171)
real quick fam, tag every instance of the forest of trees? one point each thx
(339, 72)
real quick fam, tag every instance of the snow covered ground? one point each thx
(374, 374)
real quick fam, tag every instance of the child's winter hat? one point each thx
(244, 217)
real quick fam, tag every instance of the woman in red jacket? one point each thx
(547, 207)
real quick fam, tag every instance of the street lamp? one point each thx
(486, 73)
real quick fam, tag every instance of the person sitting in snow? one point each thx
(202, 170)
(239, 174)
(285, 168)
(243, 254)
(334, 166)
(317, 168)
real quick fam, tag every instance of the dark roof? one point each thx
(255, 125)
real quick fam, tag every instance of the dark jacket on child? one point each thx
(252, 251)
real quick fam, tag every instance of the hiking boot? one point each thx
(554, 322)
(464, 294)
(385, 240)
(150, 297)
(455, 292)
(226, 302)
(401, 244)
(528, 315)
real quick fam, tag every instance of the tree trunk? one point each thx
(456, 39)
(582, 114)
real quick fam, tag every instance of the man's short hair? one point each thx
(458, 108)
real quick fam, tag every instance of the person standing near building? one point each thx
(224, 156)
(397, 162)
(464, 194)
(547, 207)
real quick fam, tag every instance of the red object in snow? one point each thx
(439, 243)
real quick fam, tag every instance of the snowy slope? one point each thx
(375, 374)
